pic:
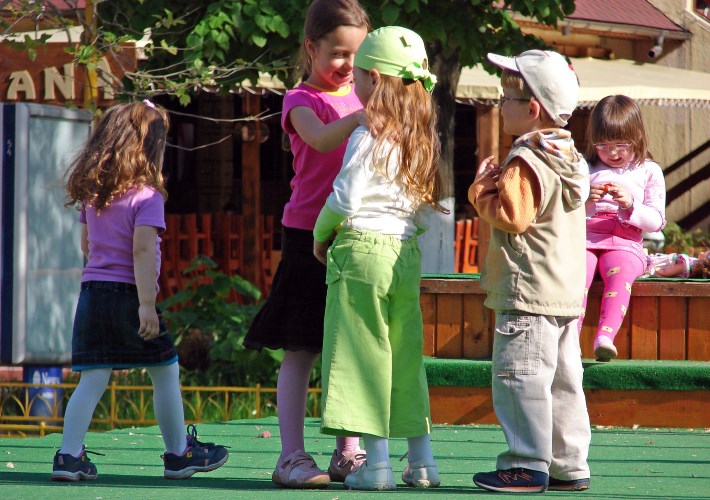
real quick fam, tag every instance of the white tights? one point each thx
(167, 402)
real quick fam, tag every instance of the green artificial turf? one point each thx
(620, 374)
(648, 464)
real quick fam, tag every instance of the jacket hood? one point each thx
(555, 148)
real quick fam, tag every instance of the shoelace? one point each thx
(94, 452)
(193, 441)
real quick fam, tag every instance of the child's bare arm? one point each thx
(324, 137)
(144, 269)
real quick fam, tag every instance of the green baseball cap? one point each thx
(396, 51)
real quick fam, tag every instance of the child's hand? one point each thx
(320, 250)
(149, 324)
(620, 195)
(596, 191)
(488, 167)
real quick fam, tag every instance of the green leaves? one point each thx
(206, 309)
(236, 38)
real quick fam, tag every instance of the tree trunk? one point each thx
(438, 242)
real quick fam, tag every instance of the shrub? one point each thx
(209, 318)
(679, 240)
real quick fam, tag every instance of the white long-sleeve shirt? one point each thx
(365, 193)
(646, 185)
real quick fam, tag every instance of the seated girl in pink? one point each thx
(627, 196)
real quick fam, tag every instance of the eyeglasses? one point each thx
(606, 146)
(502, 99)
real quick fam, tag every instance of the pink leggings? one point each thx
(618, 269)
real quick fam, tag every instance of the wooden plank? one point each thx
(622, 341)
(449, 326)
(451, 285)
(642, 288)
(462, 405)
(589, 327)
(699, 329)
(649, 408)
(672, 324)
(646, 408)
(476, 328)
(644, 328)
(428, 305)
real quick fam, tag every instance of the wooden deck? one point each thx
(666, 320)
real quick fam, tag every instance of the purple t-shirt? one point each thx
(111, 234)
(314, 171)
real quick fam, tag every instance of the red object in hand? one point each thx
(608, 187)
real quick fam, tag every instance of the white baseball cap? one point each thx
(550, 77)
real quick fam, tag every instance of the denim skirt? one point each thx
(106, 330)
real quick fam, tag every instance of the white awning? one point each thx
(646, 83)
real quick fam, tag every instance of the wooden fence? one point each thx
(218, 236)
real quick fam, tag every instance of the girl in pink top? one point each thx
(627, 197)
(318, 116)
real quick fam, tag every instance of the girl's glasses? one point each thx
(620, 147)
(502, 99)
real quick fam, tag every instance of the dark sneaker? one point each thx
(198, 457)
(518, 480)
(570, 485)
(70, 468)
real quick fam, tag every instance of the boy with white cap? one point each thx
(534, 279)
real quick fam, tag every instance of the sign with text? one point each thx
(54, 78)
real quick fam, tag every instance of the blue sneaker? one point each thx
(67, 467)
(518, 480)
(568, 485)
(198, 457)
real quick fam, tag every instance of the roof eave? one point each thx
(626, 29)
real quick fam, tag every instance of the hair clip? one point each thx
(148, 103)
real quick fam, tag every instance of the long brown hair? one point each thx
(324, 16)
(124, 151)
(404, 113)
(617, 118)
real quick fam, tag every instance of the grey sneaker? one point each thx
(371, 477)
(341, 466)
(421, 475)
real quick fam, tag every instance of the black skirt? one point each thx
(292, 315)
